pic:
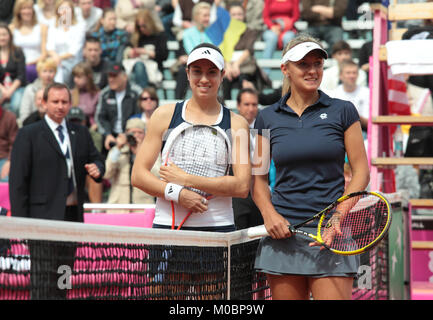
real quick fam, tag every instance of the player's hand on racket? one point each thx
(330, 230)
(192, 201)
(172, 173)
(277, 226)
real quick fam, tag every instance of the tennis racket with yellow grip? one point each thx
(351, 225)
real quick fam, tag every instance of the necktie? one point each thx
(62, 139)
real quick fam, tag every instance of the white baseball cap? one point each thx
(301, 50)
(206, 53)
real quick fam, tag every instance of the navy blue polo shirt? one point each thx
(308, 152)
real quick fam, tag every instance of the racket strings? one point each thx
(359, 227)
(201, 151)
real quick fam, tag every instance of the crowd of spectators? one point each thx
(111, 54)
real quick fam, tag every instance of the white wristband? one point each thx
(172, 192)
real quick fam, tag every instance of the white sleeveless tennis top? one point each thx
(220, 210)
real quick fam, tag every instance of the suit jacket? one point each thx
(38, 180)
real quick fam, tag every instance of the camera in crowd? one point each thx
(130, 139)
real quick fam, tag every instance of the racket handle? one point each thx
(257, 232)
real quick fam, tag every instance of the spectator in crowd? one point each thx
(279, 17)
(46, 72)
(245, 210)
(88, 14)
(265, 99)
(117, 103)
(29, 35)
(65, 40)
(242, 65)
(183, 15)
(119, 165)
(113, 41)
(46, 12)
(351, 91)
(148, 102)
(8, 132)
(192, 37)
(126, 11)
(324, 19)
(253, 13)
(85, 93)
(92, 54)
(12, 70)
(6, 9)
(341, 51)
(40, 109)
(147, 50)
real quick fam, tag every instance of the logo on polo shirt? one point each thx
(324, 116)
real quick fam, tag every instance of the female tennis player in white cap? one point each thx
(310, 134)
(179, 193)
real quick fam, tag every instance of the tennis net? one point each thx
(41, 259)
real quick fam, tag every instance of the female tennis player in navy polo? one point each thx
(307, 134)
(205, 71)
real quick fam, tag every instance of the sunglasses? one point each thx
(147, 98)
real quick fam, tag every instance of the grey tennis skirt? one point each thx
(293, 256)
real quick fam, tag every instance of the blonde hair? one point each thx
(301, 38)
(47, 63)
(197, 8)
(17, 22)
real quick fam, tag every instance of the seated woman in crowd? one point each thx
(85, 93)
(113, 41)
(65, 40)
(12, 70)
(47, 70)
(29, 35)
(148, 43)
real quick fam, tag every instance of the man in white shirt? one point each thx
(341, 51)
(88, 14)
(351, 91)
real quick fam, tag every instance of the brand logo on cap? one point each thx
(205, 52)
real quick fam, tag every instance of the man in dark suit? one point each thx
(49, 163)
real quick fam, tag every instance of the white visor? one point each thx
(299, 51)
(206, 53)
